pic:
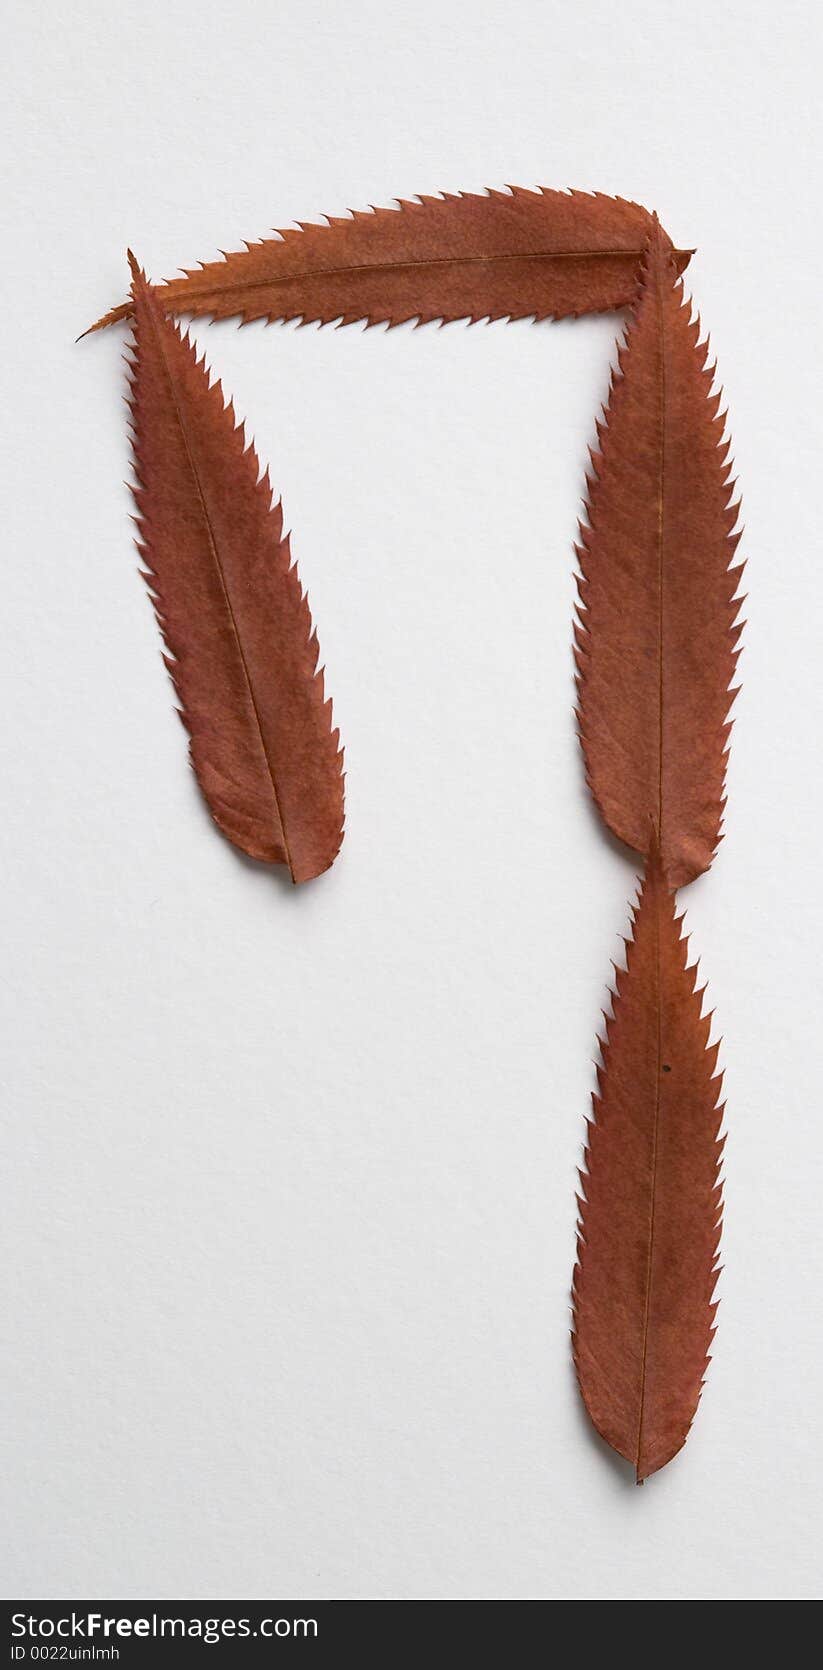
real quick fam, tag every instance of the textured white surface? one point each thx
(288, 1213)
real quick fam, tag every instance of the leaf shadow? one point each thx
(276, 875)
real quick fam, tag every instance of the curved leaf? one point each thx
(506, 254)
(243, 655)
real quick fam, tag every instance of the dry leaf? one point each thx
(656, 642)
(243, 655)
(649, 1224)
(507, 254)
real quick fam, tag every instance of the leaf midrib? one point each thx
(392, 266)
(658, 882)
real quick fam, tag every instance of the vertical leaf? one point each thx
(656, 643)
(242, 652)
(649, 1222)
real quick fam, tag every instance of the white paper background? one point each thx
(288, 1212)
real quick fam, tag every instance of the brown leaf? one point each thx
(243, 655)
(507, 254)
(649, 1223)
(656, 642)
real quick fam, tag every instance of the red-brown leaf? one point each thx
(243, 655)
(506, 254)
(656, 642)
(649, 1223)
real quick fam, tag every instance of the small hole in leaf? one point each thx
(666, 1068)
